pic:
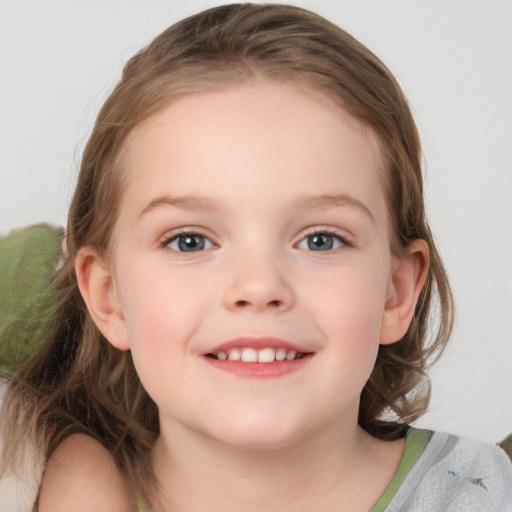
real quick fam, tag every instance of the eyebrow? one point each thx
(308, 202)
(330, 201)
(184, 202)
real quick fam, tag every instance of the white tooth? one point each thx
(290, 356)
(266, 355)
(234, 354)
(249, 355)
(280, 354)
(222, 355)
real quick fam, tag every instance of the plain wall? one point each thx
(59, 59)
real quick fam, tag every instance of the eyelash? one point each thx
(329, 232)
(182, 234)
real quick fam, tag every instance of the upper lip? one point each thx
(257, 342)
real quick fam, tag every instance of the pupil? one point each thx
(320, 242)
(191, 243)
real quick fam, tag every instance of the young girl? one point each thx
(245, 312)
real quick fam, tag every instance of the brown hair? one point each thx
(80, 383)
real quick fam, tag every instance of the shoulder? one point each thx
(81, 475)
(464, 474)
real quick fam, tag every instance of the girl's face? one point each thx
(253, 224)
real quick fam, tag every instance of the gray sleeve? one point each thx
(457, 475)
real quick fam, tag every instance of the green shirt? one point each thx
(415, 442)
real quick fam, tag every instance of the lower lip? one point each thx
(259, 370)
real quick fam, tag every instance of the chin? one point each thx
(259, 442)
(260, 435)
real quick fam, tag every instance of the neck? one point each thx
(198, 474)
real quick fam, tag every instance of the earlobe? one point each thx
(407, 280)
(97, 287)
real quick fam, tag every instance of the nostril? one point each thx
(245, 303)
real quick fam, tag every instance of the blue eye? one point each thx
(321, 242)
(189, 242)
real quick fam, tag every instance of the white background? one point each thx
(59, 59)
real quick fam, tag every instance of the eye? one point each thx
(189, 242)
(321, 242)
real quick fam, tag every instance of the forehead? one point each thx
(276, 138)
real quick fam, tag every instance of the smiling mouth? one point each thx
(252, 355)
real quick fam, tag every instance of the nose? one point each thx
(257, 284)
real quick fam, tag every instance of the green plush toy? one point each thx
(28, 260)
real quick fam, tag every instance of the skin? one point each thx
(253, 170)
(82, 475)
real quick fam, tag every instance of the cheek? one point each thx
(162, 306)
(348, 298)
(350, 322)
(157, 310)
(348, 307)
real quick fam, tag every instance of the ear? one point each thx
(407, 280)
(97, 287)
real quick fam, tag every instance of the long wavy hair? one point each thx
(80, 382)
